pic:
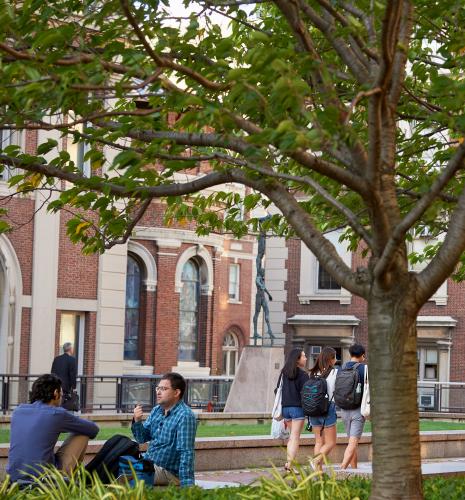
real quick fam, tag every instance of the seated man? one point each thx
(170, 428)
(35, 429)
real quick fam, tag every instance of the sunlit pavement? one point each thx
(217, 479)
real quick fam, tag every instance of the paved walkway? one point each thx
(216, 479)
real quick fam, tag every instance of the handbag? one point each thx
(70, 401)
(365, 406)
(279, 429)
(276, 413)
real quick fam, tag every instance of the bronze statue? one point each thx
(260, 298)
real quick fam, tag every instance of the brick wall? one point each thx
(454, 308)
(77, 273)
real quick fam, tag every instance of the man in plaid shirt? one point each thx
(170, 428)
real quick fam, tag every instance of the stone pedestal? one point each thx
(256, 377)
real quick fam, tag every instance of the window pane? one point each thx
(188, 312)
(5, 140)
(431, 356)
(234, 281)
(132, 320)
(431, 372)
(232, 363)
(225, 362)
(326, 281)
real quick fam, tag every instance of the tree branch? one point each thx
(164, 62)
(304, 227)
(138, 192)
(398, 234)
(442, 265)
(128, 232)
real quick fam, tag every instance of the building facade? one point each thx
(316, 311)
(166, 300)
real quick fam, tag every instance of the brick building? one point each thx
(167, 299)
(313, 311)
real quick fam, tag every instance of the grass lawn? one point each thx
(250, 430)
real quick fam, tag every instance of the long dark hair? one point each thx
(323, 363)
(290, 369)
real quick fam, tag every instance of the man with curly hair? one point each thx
(35, 428)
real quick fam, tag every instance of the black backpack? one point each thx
(314, 395)
(105, 462)
(348, 388)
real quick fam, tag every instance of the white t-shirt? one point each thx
(330, 382)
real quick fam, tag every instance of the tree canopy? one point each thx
(343, 114)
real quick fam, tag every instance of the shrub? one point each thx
(301, 484)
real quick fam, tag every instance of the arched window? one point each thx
(189, 301)
(132, 320)
(230, 354)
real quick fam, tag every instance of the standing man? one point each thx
(35, 429)
(170, 430)
(353, 420)
(65, 367)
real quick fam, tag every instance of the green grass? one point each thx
(249, 430)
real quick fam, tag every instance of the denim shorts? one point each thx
(328, 421)
(293, 413)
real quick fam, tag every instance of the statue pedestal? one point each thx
(257, 375)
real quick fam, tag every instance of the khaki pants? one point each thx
(71, 452)
(163, 477)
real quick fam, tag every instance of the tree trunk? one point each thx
(393, 382)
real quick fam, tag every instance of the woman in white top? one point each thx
(325, 427)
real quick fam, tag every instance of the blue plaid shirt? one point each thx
(172, 440)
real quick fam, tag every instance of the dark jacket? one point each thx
(291, 389)
(65, 367)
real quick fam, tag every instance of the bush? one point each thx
(301, 485)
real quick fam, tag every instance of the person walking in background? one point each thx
(294, 376)
(65, 367)
(324, 427)
(353, 419)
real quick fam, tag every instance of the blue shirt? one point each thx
(35, 429)
(172, 440)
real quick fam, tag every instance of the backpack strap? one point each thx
(279, 381)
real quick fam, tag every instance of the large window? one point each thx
(326, 281)
(230, 354)
(132, 320)
(189, 302)
(315, 282)
(428, 364)
(234, 279)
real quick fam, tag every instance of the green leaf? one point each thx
(46, 147)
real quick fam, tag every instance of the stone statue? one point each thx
(260, 298)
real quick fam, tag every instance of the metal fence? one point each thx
(442, 397)
(120, 393)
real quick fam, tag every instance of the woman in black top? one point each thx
(294, 376)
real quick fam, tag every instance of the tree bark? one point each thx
(393, 381)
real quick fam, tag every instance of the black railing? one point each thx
(120, 393)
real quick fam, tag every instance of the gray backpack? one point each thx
(348, 388)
